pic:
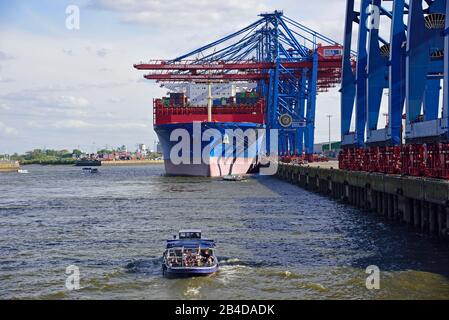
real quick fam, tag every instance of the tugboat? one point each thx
(189, 256)
(88, 163)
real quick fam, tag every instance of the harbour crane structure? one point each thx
(409, 66)
(289, 63)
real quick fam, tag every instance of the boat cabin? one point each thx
(190, 257)
(190, 234)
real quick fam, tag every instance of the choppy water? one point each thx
(276, 241)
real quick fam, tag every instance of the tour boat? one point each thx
(189, 255)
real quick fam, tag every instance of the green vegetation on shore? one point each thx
(66, 157)
(47, 157)
(49, 162)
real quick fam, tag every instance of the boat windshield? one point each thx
(190, 258)
(190, 235)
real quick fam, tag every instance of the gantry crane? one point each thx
(410, 66)
(289, 62)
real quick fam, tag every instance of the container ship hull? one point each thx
(203, 158)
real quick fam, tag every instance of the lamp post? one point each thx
(330, 143)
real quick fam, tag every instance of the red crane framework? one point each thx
(329, 70)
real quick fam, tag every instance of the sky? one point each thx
(65, 88)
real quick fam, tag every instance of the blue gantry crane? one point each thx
(290, 63)
(402, 55)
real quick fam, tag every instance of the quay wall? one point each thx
(421, 203)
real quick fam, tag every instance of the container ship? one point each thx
(258, 78)
(195, 112)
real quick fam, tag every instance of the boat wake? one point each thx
(150, 266)
(229, 261)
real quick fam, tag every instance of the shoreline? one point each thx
(130, 162)
(103, 163)
(48, 163)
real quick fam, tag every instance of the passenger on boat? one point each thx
(210, 261)
(173, 261)
(188, 258)
(206, 258)
(206, 254)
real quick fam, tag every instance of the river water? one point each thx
(275, 241)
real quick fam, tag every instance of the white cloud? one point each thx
(184, 13)
(85, 80)
(5, 56)
(45, 98)
(6, 130)
(81, 124)
(62, 101)
(4, 106)
(74, 124)
(115, 100)
(102, 52)
(68, 52)
(6, 80)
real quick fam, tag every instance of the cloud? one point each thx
(102, 52)
(115, 100)
(71, 124)
(81, 124)
(67, 89)
(6, 130)
(69, 112)
(4, 106)
(6, 80)
(68, 52)
(4, 56)
(182, 13)
(40, 98)
(71, 101)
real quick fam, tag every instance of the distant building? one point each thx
(324, 147)
(142, 149)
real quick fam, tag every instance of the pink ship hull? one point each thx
(218, 167)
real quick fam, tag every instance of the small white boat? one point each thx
(22, 171)
(234, 178)
(90, 170)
